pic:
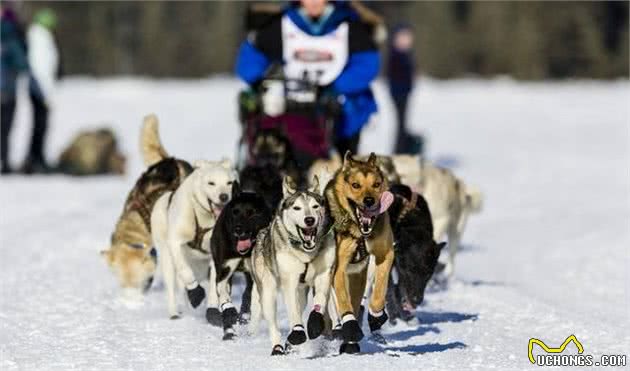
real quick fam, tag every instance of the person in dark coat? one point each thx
(401, 73)
(13, 62)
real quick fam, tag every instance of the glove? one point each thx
(248, 104)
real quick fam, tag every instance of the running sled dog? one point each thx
(181, 226)
(234, 236)
(358, 199)
(296, 252)
(131, 255)
(450, 200)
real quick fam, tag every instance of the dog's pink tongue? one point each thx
(243, 245)
(387, 198)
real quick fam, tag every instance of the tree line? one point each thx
(527, 40)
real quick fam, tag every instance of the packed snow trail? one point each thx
(547, 257)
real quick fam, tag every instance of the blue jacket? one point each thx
(264, 47)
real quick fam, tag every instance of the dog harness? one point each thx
(296, 243)
(360, 253)
(143, 204)
(197, 242)
(140, 203)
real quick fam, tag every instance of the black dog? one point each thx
(232, 240)
(270, 147)
(265, 180)
(416, 252)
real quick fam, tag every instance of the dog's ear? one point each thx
(372, 159)
(200, 163)
(236, 189)
(107, 255)
(288, 187)
(314, 185)
(226, 163)
(347, 159)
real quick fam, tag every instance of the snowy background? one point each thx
(547, 257)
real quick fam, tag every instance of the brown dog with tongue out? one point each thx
(358, 198)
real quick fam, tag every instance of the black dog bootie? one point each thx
(350, 329)
(297, 335)
(213, 316)
(376, 321)
(196, 295)
(315, 324)
(349, 348)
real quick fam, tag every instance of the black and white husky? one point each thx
(296, 252)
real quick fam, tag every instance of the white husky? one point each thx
(450, 200)
(181, 226)
(294, 253)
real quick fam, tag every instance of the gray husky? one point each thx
(296, 252)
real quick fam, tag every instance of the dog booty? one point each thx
(277, 350)
(349, 348)
(228, 334)
(315, 324)
(196, 295)
(297, 335)
(213, 316)
(230, 316)
(376, 320)
(350, 329)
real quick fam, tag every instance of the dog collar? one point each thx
(297, 243)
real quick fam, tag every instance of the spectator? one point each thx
(401, 73)
(43, 58)
(14, 62)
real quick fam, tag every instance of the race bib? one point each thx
(319, 59)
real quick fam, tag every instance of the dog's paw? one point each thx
(315, 324)
(243, 318)
(277, 350)
(229, 334)
(376, 321)
(196, 295)
(351, 330)
(349, 348)
(213, 316)
(297, 335)
(230, 316)
(406, 315)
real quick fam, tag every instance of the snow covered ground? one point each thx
(548, 256)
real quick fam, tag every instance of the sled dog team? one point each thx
(363, 231)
